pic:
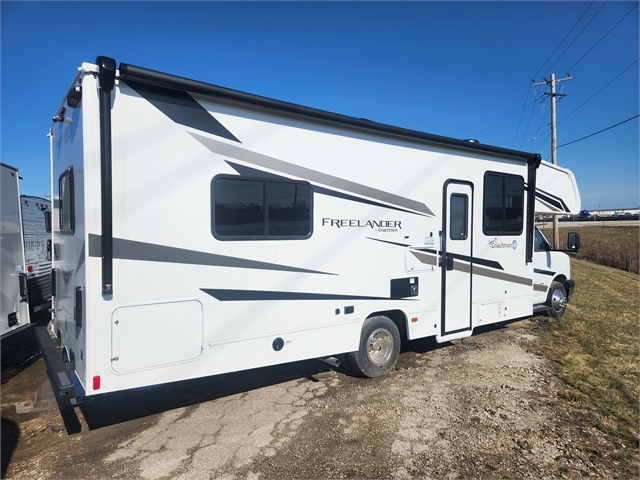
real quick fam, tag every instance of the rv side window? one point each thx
(66, 203)
(289, 209)
(259, 209)
(458, 217)
(503, 204)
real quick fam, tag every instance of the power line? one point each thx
(588, 99)
(591, 97)
(485, 121)
(596, 133)
(541, 66)
(578, 36)
(571, 67)
(565, 37)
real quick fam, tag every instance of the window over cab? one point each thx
(503, 207)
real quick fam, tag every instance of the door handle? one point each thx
(441, 256)
(449, 262)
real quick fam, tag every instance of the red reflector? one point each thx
(96, 382)
(29, 268)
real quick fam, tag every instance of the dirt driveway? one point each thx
(482, 407)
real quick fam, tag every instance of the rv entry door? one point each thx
(457, 256)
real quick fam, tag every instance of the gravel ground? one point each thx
(481, 407)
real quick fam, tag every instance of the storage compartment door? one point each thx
(156, 335)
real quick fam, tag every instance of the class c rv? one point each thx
(200, 230)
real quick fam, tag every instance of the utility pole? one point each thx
(552, 84)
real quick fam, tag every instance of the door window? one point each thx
(458, 218)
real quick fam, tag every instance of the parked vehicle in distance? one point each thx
(36, 223)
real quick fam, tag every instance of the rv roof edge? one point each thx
(153, 77)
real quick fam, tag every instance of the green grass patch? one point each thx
(596, 346)
(612, 246)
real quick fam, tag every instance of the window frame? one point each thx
(466, 216)
(502, 231)
(65, 229)
(265, 202)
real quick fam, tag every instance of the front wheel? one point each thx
(379, 348)
(557, 300)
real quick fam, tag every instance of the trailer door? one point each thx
(457, 240)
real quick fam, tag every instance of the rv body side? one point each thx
(36, 223)
(245, 236)
(14, 309)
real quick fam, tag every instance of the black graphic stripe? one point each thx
(552, 200)
(314, 177)
(149, 252)
(345, 196)
(543, 272)
(225, 295)
(431, 251)
(390, 243)
(245, 171)
(181, 107)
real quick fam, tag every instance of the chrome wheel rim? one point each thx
(558, 301)
(379, 347)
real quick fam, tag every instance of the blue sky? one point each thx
(461, 69)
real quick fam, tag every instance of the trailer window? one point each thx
(458, 206)
(66, 203)
(503, 204)
(259, 209)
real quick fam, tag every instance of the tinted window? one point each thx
(239, 209)
(289, 209)
(503, 204)
(458, 217)
(66, 203)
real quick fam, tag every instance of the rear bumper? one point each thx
(60, 379)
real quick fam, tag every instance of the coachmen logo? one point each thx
(377, 225)
(496, 244)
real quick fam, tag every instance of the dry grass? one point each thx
(617, 247)
(596, 347)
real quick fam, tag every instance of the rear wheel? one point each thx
(557, 300)
(379, 348)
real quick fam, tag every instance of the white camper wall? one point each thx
(556, 191)
(14, 310)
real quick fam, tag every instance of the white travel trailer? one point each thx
(36, 224)
(14, 307)
(200, 230)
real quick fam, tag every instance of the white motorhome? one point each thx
(200, 230)
(36, 224)
(14, 307)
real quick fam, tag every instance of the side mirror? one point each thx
(573, 241)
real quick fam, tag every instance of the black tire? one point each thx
(379, 348)
(557, 300)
